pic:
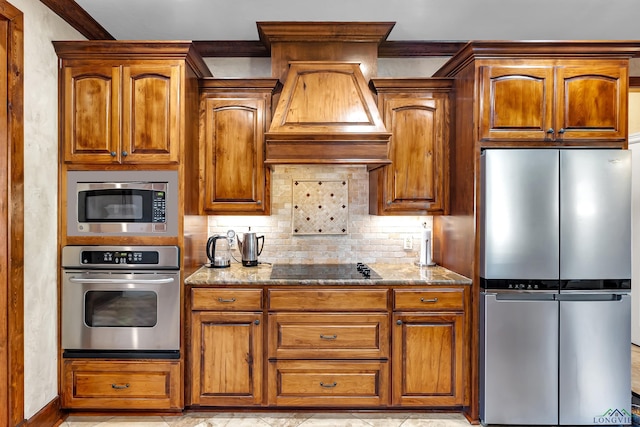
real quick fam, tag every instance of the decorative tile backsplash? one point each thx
(320, 207)
(368, 238)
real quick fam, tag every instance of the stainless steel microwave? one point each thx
(122, 203)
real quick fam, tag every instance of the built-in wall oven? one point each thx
(122, 203)
(121, 301)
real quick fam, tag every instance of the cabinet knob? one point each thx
(388, 202)
(258, 202)
(398, 322)
(113, 154)
(256, 322)
(550, 130)
(125, 154)
(561, 131)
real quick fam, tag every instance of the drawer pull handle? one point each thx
(428, 300)
(120, 387)
(328, 337)
(332, 385)
(220, 299)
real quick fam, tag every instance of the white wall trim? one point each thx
(634, 138)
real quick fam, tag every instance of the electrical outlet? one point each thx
(408, 242)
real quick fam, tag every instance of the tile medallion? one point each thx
(320, 207)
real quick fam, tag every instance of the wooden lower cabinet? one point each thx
(327, 347)
(328, 383)
(428, 359)
(226, 358)
(122, 384)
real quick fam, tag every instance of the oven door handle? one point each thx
(122, 281)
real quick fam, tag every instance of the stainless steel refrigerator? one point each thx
(555, 269)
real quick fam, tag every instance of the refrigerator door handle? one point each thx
(524, 296)
(590, 297)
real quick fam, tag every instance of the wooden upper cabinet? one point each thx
(90, 110)
(150, 114)
(418, 117)
(592, 101)
(516, 102)
(121, 114)
(235, 180)
(128, 102)
(553, 101)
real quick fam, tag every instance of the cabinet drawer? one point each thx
(121, 384)
(226, 299)
(328, 299)
(429, 300)
(324, 383)
(328, 336)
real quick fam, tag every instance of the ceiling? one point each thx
(424, 20)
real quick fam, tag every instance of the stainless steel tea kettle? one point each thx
(249, 248)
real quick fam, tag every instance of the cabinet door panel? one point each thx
(150, 119)
(428, 359)
(415, 135)
(516, 102)
(227, 358)
(91, 114)
(415, 181)
(592, 102)
(234, 153)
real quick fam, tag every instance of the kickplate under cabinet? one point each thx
(320, 207)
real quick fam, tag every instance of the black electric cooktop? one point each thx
(323, 272)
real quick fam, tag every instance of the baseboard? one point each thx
(49, 416)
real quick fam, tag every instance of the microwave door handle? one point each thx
(122, 281)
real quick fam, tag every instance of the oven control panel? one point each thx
(119, 257)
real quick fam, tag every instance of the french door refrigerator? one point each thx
(555, 270)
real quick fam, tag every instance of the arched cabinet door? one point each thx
(417, 113)
(591, 101)
(235, 116)
(516, 102)
(150, 113)
(91, 106)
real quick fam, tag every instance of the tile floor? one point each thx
(267, 419)
(295, 419)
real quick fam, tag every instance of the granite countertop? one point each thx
(391, 274)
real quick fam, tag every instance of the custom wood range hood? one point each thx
(326, 113)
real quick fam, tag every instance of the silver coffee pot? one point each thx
(249, 248)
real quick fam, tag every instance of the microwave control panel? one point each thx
(159, 207)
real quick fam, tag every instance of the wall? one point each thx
(41, 26)
(369, 238)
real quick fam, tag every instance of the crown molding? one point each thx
(78, 18)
